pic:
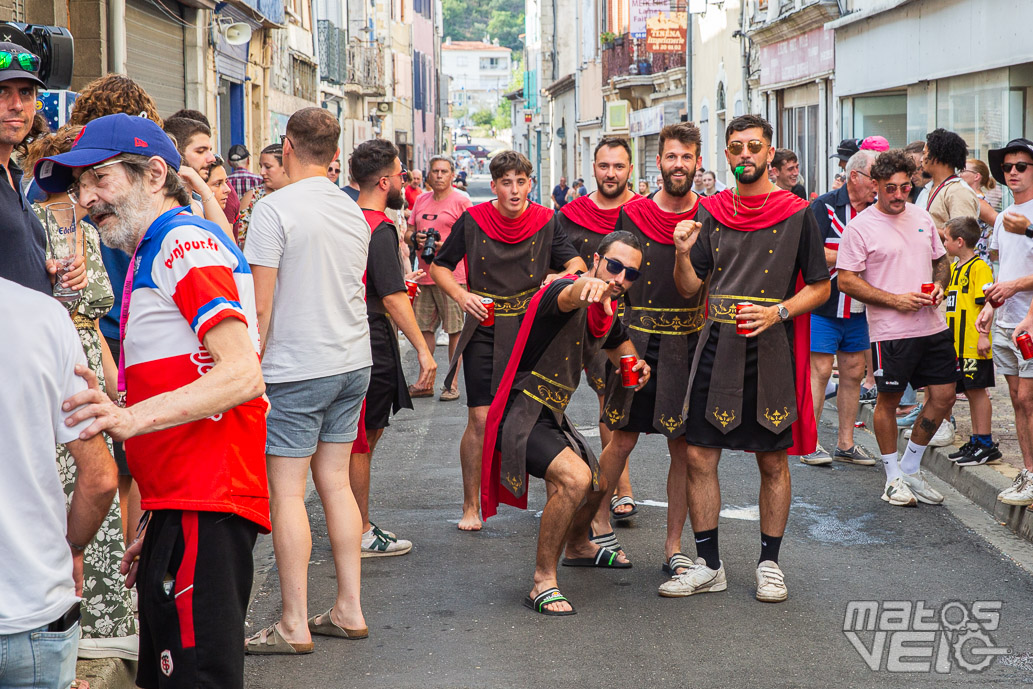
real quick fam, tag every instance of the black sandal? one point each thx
(546, 597)
(616, 502)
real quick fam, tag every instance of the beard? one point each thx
(926, 175)
(681, 188)
(750, 178)
(395, 200)
(129, 219)
(616, 192)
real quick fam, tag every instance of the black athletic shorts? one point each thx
(920, 361)
(120, 450)
(193, 583)
(976, 374)
(387, 392)
(640, 418)
(478, 366)
(545, 442)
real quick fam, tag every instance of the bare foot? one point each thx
(470, 522)
(354, 621)
(557, 606)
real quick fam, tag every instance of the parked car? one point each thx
(477, 150)
(462, 133)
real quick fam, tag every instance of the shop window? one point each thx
(882, 116)
(977, 107)
(800, 133)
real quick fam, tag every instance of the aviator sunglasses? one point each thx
(615, 267)
(735, 147)
(1019, 167)
(27, 61)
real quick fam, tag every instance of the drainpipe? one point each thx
(117, 36)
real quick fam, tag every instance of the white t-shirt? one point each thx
(318, 239)
(1016, 261)
(38, 355)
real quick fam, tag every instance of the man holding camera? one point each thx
(430, 224)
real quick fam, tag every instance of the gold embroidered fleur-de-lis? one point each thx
(670, 422)
(614, 415)
(723, 417)
(776, 417)
(557, 398)
(515, 482)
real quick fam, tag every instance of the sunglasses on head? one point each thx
(754, 145)
(1019, 167)
(27, 61)
(616, 267)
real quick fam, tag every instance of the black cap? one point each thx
(237, 153)
(996, 156)
(847, 148)
(15, 70)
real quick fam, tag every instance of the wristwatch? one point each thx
(783, 312)
(1029, 231)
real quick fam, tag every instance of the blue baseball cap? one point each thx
(103, 139)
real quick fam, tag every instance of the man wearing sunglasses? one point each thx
(528, 431)
(748, 392)
(586, 220)
(1013, 240)
(23, 241)
(510, 246)
(887, 253)
(664, 327)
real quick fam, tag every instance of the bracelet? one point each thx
(204, 202)
(75, 546)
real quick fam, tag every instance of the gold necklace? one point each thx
(737, 201)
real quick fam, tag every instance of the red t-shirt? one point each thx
(411, 194)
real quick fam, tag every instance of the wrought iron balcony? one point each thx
(627, 56)
(364, 68)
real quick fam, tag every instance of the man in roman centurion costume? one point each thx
(761, 255)
(663, 326)
(510, 246)
(586, 220)
(527, 431)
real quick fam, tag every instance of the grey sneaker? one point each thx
(379, 543)
(869, 395)
(697, 579)
(921, 489)
(897, 493)
(819, 457)
(854, 456)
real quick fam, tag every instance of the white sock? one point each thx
(889, 463)
(912, 458)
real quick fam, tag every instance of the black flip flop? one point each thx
(616, 502)
(675, 562)
(605, 558)
(605, 540)
(547, 596)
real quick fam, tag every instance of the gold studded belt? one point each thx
(509, 305)
(666, 321)
(722, 306)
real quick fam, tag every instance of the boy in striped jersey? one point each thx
(965, 300)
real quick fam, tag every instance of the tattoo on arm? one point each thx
(927, 424)
(942, 271)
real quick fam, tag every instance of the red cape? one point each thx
(583, 211)
(805, 428)
(492, 492)
(749, 213)
(510, 230)
(655, 222)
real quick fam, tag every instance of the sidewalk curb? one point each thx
(107, 673)
(980, 484)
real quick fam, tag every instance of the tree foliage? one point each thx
(472, 20)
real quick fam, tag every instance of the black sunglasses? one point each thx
(616, 267)
(1021, 167)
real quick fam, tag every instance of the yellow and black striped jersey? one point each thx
(964, 300)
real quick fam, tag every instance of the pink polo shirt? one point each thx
(894, 253)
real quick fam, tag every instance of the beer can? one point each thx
(489, 304)
(991, 302)
(411, 288)
(629, 376)
(740, 327)
(1025, 342)
(928, 287)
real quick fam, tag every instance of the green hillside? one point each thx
(471, 20)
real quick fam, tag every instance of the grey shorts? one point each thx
(304, 413)
(1007, 358)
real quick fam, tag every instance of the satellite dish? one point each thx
(237, 33)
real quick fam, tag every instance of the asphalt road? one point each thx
(449, 614)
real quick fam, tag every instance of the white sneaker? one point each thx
(943, 436)
(921, 489)
(697, 579)
(819, 457)
(897, 493)
(379, 543)
(441, 339)
(125, 647)
(1021, 491)
(771, 584)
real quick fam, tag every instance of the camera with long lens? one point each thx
(430, 245)
(53, 45)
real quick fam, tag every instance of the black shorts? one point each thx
(976, 374)
(478, 365)
(920, 361)
(640, 418)
(120, 450)
(387, 392)
(192, 634)
(545, 443)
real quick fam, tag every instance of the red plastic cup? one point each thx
(489, 304)
(928, 287)
(740, 328)
(1025, 342)
(411, 288)
(629, 376)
